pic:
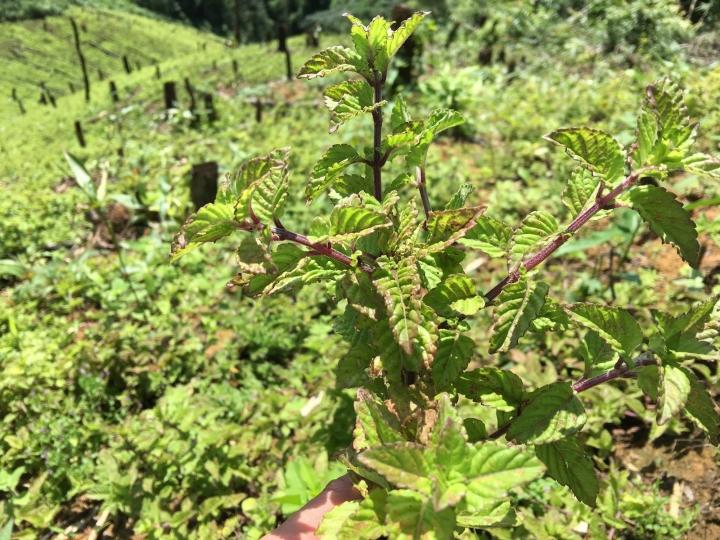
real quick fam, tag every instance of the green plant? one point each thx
(426, 468)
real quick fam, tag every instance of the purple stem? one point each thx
(601, 202)
(377, 136)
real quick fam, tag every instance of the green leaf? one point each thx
(614, 325)
(532, 233)
(7, 530)
(494, 387)
(374, 425)
(400, 115)
(331, 60)
(647, 136)
(82, 177)
(580, 191)
(356, 520)
(460, 197)
(335, 160)
(453, 355)
(455, 294)
(568, 463)
(666, 100)
(353, 222)
(404, 31)
(400, 289)
(668, 219)
(673, 391)
(516, 308)
(597, 353)
(211, 223)
(593, 148)
(401, 464)
(700, 408)
(269, 192)
(489, 235)
(491, 470)
(702, 165)
(676, 331)
(553, 413)
(445, 227)
(348, 99)
(412, 517)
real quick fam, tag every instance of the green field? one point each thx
(146, 399)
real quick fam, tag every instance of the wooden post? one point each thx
(203, 183)
(113, 92)
(79, 133)
(170, 95)
(282, 36)
(209, 107)
(43, 99)
(258, 110)
(126, 64)
(288, 65)
(71, 86)
(20, 105)
(51, 98)
(101, 74)
(237, 24)
(13, 94)
(235, 68)
(81, 57)
(158, 75)
(193, 106)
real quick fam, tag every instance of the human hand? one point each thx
(303, 523)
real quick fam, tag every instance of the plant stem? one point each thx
(645, 359)
(377, 138)
(420, 180)
(281, 233)
(615, 373)
(601, 202)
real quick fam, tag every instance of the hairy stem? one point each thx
(601, 202)
(377, 136)
(420, 180)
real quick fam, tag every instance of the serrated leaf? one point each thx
(331, 60)
(516, 307)
(353, 222)
(702, 165)
(211, 223)
(356, 520)
(668, 219)
(553, 413)
(445, 227)
(402, 464)
(595, 149)
(308, 270)
(404, 31)
(666, 100)
(348, 99)
(491, 470)
(453, 355)
(336, 159)
(532, 233)
(400, 115)
(412, 516)
(580, 191)
(673, 391)
(675, 329)
(489, 235)
(647, 136)
(455, 294)
(700, 408)
(614, 325)
(460, 197)
(400, 289)
(597, 354)
(494, 387)
(568, 463)
(374, 425)
(270, 191)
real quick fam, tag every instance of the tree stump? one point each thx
(204, 183)
(79, 133)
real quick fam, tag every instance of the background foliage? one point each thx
(140, 397)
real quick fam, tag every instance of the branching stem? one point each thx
(618, 372)
(420, 180)
(602, 202)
